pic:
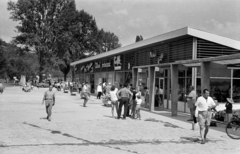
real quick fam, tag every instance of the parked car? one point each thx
(43, 84)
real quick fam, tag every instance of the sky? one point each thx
(149, 18)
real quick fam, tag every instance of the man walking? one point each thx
(86, 93)
(49, 98)
(124, 94)
(204, 106)
(191, 99)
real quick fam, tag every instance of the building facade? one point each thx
(168, 62)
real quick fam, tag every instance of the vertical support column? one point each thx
(194, 69)
(168, 87)
(151, 71)
(205, 75)
(174, 89)
(135, 73)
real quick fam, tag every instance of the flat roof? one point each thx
(167, 36)
(223, 60)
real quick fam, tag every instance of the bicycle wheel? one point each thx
(233, 129)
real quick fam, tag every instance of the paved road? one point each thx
(75, 129)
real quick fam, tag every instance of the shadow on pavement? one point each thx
(183, 117)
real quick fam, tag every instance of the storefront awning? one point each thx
(223, 60)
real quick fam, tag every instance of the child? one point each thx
(138, 107)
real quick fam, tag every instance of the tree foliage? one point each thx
(14, 63)
(58, 32)
(37, 18)
(107, 41)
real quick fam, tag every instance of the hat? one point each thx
(230, 100)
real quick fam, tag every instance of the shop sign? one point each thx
(106, 64)
(82, 68)
(75, 68)
(117, 63)
(97, 65)
(89, 67)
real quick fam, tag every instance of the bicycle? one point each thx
(233, 128)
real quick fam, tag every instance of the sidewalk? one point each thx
(91, 129)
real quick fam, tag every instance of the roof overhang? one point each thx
(187, 31)
(223, 60)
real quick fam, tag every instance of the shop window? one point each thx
(236, 73)
(182, 89)
(220, 89)
(216, 71)
(236, 90)
(181, 73)
(199, 71)
(189, 72)
(198, 88)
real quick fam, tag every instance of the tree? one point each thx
(37, 19)
(107, 41)
(13, 62)
(75, 36)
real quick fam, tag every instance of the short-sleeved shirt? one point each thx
(85, 88)
(99, 88)
(203, 104)
(160, 91)
(49, 95)
(113, 95)
(192, 101)
(108, 88)
(139, 101)
(124, 92)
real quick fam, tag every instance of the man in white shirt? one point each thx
(204, 106)
(191, 99)
(86, 93)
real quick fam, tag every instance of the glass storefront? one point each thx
(184, 81)
(222, 85)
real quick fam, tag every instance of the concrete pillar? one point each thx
(135, 73)
(168, 87)
(174, 89)
(194, 69)
(151, 71)
(205, 75)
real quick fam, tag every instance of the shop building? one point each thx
(172, 61)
